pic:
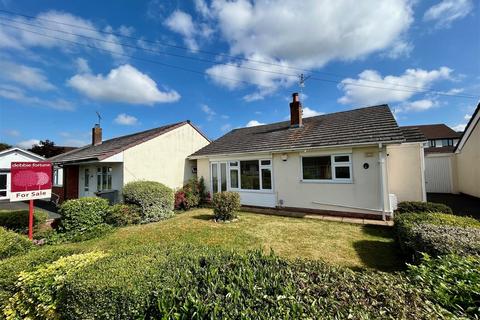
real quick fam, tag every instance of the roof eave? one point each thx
(366, 144)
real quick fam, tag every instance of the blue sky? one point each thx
(228, 64)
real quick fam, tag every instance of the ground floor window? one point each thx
(3, 184)
(104, 178)
(58, 177)
(242, 175)
(327, 168)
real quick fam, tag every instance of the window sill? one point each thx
(252, 191)
(327, 181)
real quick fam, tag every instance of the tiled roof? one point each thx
(437, 131)
(360, 126)
(413, 134)
(446, 149)
(113, 146)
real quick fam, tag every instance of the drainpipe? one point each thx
(384, 198)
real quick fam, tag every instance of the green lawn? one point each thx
(338, 243)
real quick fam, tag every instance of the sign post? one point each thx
(30, 180)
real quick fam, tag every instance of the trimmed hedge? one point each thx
(18, 219)
(451, 281)
(11, 267)
(121, 215)
(417, 206)
(437, 234)
(155, 200)
(35, 297)
(97, 231)
(225, 205)
(195, 282)
(83, 213)
(12, 243)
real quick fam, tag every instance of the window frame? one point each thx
(56, 182)
(237, 168)
(334, 165)
(100, 174)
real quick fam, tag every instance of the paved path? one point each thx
(7, 205)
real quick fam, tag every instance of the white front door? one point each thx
(4, 185)
(88, 184)
(219, 176)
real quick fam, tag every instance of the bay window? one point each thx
(327, 168)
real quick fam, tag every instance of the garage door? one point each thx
(438, 174)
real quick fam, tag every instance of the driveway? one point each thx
(461, 204)
(39, 204)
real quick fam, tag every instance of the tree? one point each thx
(4, 146)
(46, 149)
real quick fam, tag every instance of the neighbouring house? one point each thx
(356, 162)
(104, 167)
(467, 154)
(441, 138)
(6, 158)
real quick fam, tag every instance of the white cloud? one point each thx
(226, 127)
(417, 105)
(459, 127)
(467, 117)
(307, 112)
(82, 65)
(400, 49)
(126, 120)
(366, 90)
(75, 28)
(443, 14)
(202, 8)
(29, 77)
(208, 111)
(307, 34)
(182, 23)
(12, 133)
(253, 123)
(124, 84)
(27, 144)
(17, 94)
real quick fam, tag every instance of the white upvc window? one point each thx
(327, 168)
(104, 178)
(58, 177)
(243, 175)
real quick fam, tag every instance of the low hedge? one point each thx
(225, 205)
(35, 297)
(155, 200)
(436, 234)
(81, 214)
(11, 267)
(450, 281)
(193, 282)
(12, 243)
(417, 206)
(94, 232)
(18, 219)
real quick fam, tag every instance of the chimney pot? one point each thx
(96, 135)
(295, 111)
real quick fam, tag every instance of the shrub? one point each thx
(180, 200)
(120, 215)
(206, 283)
(18, 219)
(36, 290)
(451, 281)
(97, 231)
(154, 199)
(417, 206)
(12, 243)
(191, 195)
(11, 267)
(225, 204)
(437, 234)
(202, 190)
(83, 213)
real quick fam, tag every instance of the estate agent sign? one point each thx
(30, 180)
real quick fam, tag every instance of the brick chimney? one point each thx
(96, 135)
(295, 111)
